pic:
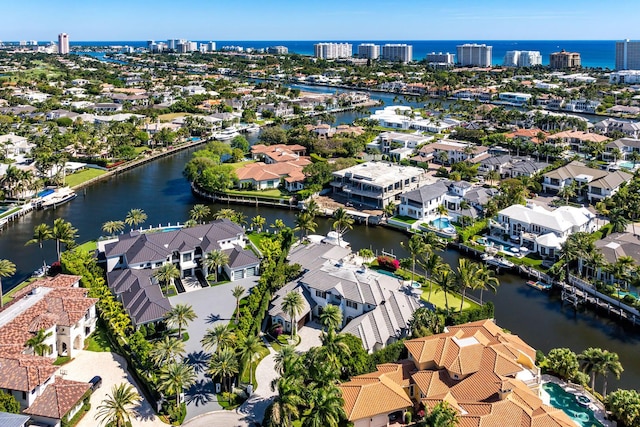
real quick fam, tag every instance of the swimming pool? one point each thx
(561, 399)
(627, 165)
(441, 223)
(165, 230)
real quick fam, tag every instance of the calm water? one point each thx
(164, 194)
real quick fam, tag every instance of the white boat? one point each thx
(226, 134)
(253, 128)
(59, 197)
(497, 261)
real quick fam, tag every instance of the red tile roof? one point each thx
(24, 372)
(58, 399)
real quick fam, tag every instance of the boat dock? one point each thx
(14, 213)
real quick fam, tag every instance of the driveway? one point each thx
(213, 305)
(113, 370)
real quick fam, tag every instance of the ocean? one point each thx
(594, 53)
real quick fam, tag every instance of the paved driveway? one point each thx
(112, 368)
(213, 305)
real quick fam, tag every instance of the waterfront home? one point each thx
(375, 307)
(540, 230)
(449, 151)
(265, 176)
(376, 184)
(183, 247)
(613, 247)
(625, 146)
(609, 125)
(423, 202)
(387, 141)
(536, 136)
(277, 153)
(404, 117)
(595, 184)
(576, 140)
(488, 376)
(56, 305)
(15, 147)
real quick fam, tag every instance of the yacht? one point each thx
(253, 128)
(498, 262)
(226, 134)
(59, 197)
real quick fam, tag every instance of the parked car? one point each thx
(95, 382)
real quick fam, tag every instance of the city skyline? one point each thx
(291, 20)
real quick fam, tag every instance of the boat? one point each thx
(59, 197)
(253, 128)
(225, 134)
(41, 272)
(498, 262)
(541, 286)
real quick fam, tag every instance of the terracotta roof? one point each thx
(531, 134)
(259, 171)
(23, 372)
(58, 399)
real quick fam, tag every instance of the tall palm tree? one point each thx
(312, 208)
(327, 407)
(431, 263)
(7, 269)
(292, 305)
(305, 223)
(609, 363)
(175, 377)
(63, 232)
(214, 260)
(618, 220)
(442, 211)
(237, 293)
(444, 278)
(113, 227)
(180, 315)
(229, 214)
(485, 280)
(116, 409)
(167, 350)
(41, 233)
(286, 407)
(249, 351)
(166, 275)
(591, 359)
(258, 222)
(199, 212)
(135, 217)
(334, 348)
(219, 338)
(224, 364)
(331, 317)
(342, 222)
(416, 247)
(466, 276)
(37, 343)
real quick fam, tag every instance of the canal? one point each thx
(160, 189)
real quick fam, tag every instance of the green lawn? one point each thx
(6, 298)
(98, 340)
(438, 300)
(83, 176)
(89, 246)
(238, 165)
(171, 116)
(257, 238)
(405, 219)
(264, 352)
(269, 194)
(10, 212)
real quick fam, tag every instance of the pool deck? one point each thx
(594, 406)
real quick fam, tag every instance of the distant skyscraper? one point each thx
(63, 44)
(628, 55)
(278, 50)
(439, 58)
(397, 52)
(333, 50)
(522, 58)
(563, 60)
(368, 51)
(478, 55)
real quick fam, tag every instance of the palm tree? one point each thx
(431, 263)
(41, 233)
(342, 222)
(287, 405)
(305, 223)
(278, 225)
(199, 212)
(135, 217)
(444, 278)
(334, 348)
(591, 359)
(113, 227)
(237, 293)
(466, 275)
(292, 305)
(220, 337)
(224, 364)
(331, 317)
(167, 350)
(63, 232)
(175, 377)
(116, 409)
(442, 211)
(618, 220)
(37, 343)
(166, 275)
(327, 407)
(229, 214)
(609, 363)
(485, 280)
(258, 222)
(312, 208)
(389, 210)
(567, 192)
(214, 260)
(7, 269)
(493, 176)
(287, 362)
(416, 247)
(249, 351)
(180, 315)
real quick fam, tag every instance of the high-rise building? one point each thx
(278, 50)
(564, 60)
(368, 51)
(628, 55)
(477, 55)
(397, 53)
(440, 58)
(332, 50)
(522, 58)
(63, 44)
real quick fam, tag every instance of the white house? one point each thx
(15, 147)
(595, 183)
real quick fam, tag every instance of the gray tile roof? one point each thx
(239, 258)
(276, 304)
(313, 256)
(611, 180)
(13, 420)
(617, 245)
(427, 192)
(140, 294)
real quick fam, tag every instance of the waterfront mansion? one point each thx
(375, 307)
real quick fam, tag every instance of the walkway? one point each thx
(254, 408)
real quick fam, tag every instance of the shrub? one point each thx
(388, 263)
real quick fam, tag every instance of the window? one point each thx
(158, 264)
(321, 294)
(352, 304)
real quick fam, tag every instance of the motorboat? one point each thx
(226, 134)
(498, 262)
(59, 197)
(41, 272)
(253, 128)
(541, 286)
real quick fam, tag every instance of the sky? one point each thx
(319, 20)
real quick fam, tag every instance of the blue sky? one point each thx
(320, 20)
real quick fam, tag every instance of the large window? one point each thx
(186, 257)
(321, 294)
(352, 304)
